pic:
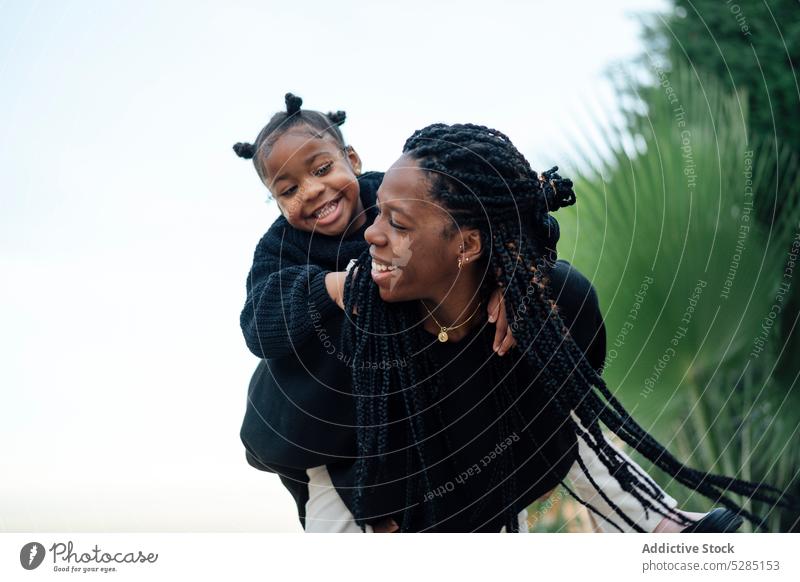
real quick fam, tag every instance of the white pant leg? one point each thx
(611, 487)
(325, 510)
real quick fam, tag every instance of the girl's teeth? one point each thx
(327, 209)
(379, 267)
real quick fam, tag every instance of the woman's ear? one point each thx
(354, 159)
(471, 245)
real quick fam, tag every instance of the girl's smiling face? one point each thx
(313, 180)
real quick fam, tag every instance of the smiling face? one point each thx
(414, 252)
(313, 180)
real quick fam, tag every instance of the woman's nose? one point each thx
(374, 236)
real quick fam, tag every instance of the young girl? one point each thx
(325, 203)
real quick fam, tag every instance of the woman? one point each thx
(465, 195)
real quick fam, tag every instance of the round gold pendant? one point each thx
(442, 336)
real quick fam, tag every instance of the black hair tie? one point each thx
(244, 150)
(560, 193)
(337, 117)
(293, 103)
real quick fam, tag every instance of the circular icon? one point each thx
(31, 555)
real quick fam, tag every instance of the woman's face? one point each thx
(413, 256)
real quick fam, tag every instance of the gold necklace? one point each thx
(443, 337)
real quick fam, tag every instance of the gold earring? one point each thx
(459, 263)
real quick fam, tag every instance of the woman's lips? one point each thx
(382, 272)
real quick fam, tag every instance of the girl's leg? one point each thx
(325, 510)
(649, 521)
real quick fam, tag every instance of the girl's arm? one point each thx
(286, 302)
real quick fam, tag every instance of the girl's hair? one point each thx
(478, 176)
(281, 122)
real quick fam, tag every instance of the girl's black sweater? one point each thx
(286, 290)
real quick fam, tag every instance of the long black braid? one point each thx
(476, 167)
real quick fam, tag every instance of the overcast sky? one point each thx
(128, 225)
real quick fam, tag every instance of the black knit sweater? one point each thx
(286, 290)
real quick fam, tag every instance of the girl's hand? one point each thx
(503, 340)
(334, 283)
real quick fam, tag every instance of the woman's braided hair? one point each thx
(281, 122)
(484, 182)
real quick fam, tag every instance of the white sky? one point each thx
(127, 224)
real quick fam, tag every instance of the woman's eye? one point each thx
(322, 170)
(392, 224)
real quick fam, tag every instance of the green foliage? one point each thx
(752, 47)
(667, 233)
(745, 424)
(678, 230)
(748, 45)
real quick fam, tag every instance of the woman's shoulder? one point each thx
(579, 309)
(570, 287)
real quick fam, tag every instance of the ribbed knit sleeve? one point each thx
(282, 304)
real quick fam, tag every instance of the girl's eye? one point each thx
(289, 191)
(322, 170)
